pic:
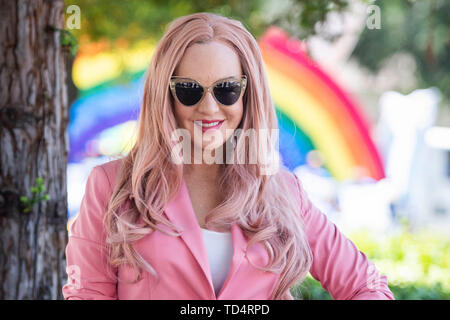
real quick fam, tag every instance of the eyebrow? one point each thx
(230, 77)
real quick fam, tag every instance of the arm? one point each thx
(344, 271)
(90, 276)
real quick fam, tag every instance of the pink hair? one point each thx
(148, 179)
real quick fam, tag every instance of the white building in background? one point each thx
(416, 155)
(437, 181)
(416, 168)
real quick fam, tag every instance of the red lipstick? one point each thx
(206, 124)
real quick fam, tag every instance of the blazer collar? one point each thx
(181, 213)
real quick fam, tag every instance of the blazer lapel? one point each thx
(239, 245)
(181, 213)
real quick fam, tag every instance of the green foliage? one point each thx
(419, 292)
(38, 195)
(68, 40)
(420, 28)
(300, 18)
(420, 257)
(311, 289)
(136, 20)
(417, 264)
(416, 27)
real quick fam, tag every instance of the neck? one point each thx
(203, 171)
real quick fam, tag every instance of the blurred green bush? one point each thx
(417, 264)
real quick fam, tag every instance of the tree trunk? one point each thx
(33, 143)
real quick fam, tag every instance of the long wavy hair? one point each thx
(262, 205)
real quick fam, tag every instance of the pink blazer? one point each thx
(182, 262)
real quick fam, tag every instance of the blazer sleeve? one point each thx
(344, 271)
(90, 276)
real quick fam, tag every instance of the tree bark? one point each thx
(33, 143)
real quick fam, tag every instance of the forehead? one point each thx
(209, 62)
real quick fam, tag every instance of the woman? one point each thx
(164, 223)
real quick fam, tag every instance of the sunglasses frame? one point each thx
(176, 79)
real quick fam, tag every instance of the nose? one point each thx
(208, 105)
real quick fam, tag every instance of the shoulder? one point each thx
(94, 205)
(285, 173)
(295, 187)
(101, 180)
(107, 171)
(289, 178)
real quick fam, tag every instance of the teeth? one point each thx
(212, 124)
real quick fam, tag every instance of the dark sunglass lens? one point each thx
(227, 92)
(189, 93)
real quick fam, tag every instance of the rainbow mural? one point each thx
(325, 118)
(314, 113)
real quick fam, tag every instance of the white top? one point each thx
(219, 247)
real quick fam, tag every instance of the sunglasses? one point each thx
(225, 91)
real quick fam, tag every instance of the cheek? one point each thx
(236, 115)
(182, 114)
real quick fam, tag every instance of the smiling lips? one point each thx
(209, 124)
